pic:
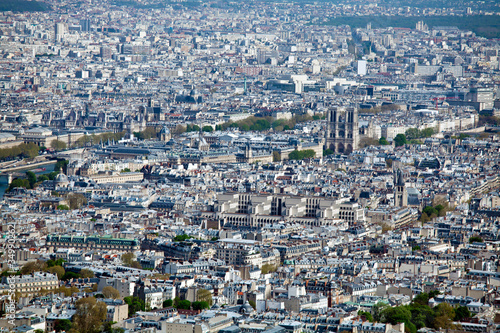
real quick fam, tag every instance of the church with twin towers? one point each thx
(342, 133)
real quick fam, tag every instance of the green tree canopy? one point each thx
(327, 152)
(400, 140)
(367, 315)
(18, 182)
(134, 304)
(301, 154)
(30, 175)
(61, 165)
(182, 238)
(383, 141)
(475, 239)
(200, 305)
(207, 128)
(62, 325)
(184, 304)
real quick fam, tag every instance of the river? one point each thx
(3, 179)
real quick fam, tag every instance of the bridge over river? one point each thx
(8, 173)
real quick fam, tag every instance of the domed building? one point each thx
(165, 134)
(61, 180)
(246, 309)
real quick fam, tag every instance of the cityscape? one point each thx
(186, 166)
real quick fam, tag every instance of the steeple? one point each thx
(400, 192)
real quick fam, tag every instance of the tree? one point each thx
(413, 133)
(424, 218)
(134, 304)
(430, 211)
(276, 156)
(268, 268)
(127, 258)
(395, 315)
(400, 140)
(383, 141)
(200, 305)
(33, 266)
(377, 310)
(427, 132)
(57, 270)
(207, 128)
(168, 303)
(301, 154)
(42, 178)
(184, 304)
(108, 328)
(135, 264)
(366, 142)
(110, 292)
(422, 299)
(388, 162)
(89, 315)
(182, 238)
(309, 153)
(179, 129)
(62, 207)
(86, 273)
(24, 183)
(61, 165)
(176, 301)
(31, 178)
(445, 314)
(192, 128)
(327, 152)
(58, 262)
(462, 312)
(367, 315)
(29, 150)
(68, 291)
(70, 276)
(475, 239)
(62, 325)
(58, 145)
(148, 133)
(204, 295)
(76, 200)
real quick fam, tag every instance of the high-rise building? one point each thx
(342, 134)
(483, 96)
(60, 30)
(361, 67)
(105, 52)
(85, 24)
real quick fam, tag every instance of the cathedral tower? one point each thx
(342, 134)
